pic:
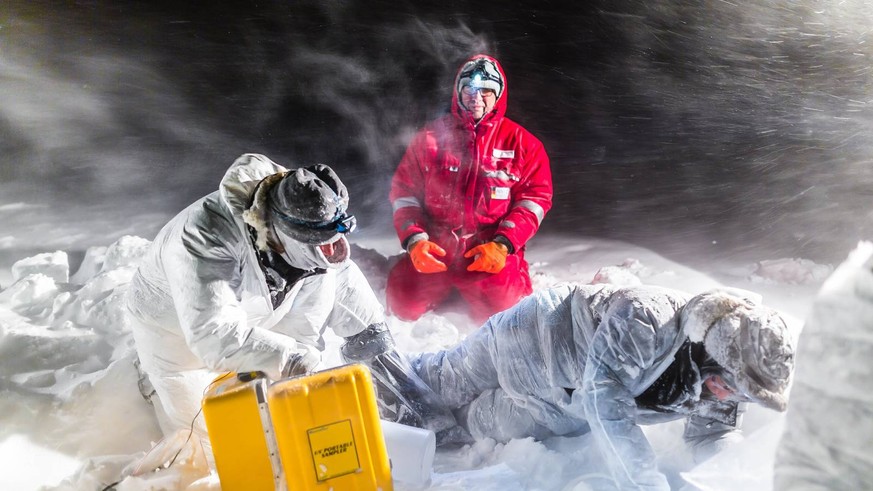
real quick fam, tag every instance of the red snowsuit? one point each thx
(462, 183)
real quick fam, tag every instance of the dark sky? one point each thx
(722, 128)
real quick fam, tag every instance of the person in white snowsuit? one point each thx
(247, 279)
(597, 358)
(829, 424)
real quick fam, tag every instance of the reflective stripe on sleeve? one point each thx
(405, 202)
(533, 208)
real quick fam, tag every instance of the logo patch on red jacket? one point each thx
(503, 154)
(499, 192)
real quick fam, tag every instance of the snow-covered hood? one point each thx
(750, 341)
(239, 182)
(244, 191)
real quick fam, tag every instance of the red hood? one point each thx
(499, 110)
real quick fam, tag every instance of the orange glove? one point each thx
(422, 254)
(490, 257)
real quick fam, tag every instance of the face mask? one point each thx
(309, 256)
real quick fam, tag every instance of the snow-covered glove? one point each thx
(401, 395)
(490, 257)
(422, 255)
(301, 363)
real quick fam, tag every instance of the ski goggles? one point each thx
(485, 92)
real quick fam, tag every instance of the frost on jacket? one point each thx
(577, 358)
(200, 300)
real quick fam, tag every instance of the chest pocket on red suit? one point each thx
(496, 180)
(441, 193)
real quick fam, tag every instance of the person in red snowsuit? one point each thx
(471, 190)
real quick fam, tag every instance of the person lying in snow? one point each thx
(247, 278)
(597, 358)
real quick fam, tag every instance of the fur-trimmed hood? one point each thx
(302, 205)
(750, 341)
(241, 190)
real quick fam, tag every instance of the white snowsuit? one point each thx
(573, 359)
(199, 304)
(829, 425)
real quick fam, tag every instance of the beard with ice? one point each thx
(330, 255)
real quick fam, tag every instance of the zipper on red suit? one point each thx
(480, 132)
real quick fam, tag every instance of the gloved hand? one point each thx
(490, 257)
(402, 396)
(422, 254)
(302, 362)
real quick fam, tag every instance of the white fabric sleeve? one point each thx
(460, 374)
(526, 351)
(355, 305)
(213, 322)
(623, 346)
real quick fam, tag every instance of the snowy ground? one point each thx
(72, 416)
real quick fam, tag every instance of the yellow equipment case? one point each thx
(328, 431)
(240, 431)
(317, 432)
